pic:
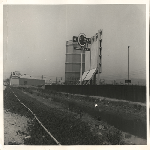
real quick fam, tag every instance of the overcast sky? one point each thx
(37, 36)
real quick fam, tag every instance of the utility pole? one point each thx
(81, 70)
(128, 65)
(56, 80)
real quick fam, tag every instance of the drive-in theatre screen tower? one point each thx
(92, 49)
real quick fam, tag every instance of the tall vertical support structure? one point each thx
(73, 63)
(99, 67)
(128, 65)
(94, 76)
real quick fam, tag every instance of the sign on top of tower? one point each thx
(82, 39)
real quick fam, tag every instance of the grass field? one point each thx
(128, 117)
(74, 120)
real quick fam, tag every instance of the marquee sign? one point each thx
(84, 49)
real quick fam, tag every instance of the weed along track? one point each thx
(34, 133)
(35, 117)
(74, 120)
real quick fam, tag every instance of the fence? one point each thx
(123, 92)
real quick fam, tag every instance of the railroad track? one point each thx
(35, 117)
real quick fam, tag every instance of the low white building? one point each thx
(17, 79)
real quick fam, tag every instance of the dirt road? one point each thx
(15, 128)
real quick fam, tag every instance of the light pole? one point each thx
(81, 69)
(128, 65)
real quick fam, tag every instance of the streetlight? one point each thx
(128, 65)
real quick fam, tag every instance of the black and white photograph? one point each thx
(75, 74)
